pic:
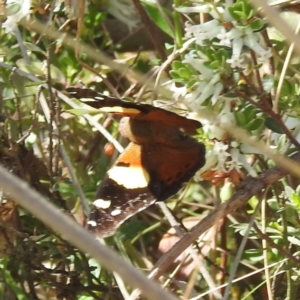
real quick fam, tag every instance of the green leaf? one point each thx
(241, 11)
(64, 188)
(34, 68)
(296, 200)
(241, 228)
(158, 18)
(174, 74)
(12, 284)
(34, 48)
(257, 25)
(12, 8)
(226, 191)
(255, 124)
(273, 125)
(298, 189)
(214, 65)
(287, 88)
(210, 54)
(155, 62)
(37, 83)
(221, 55)
(176, 64)
(249, 113)
(169, 46)
(293, 240)
(82, 111)
(233, 13)
(240, 118)
(184, 73)
(55, 187)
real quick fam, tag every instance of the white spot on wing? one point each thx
(92, 223)
(115, 212)
(86, 99)
(102, 203)
(129, 177)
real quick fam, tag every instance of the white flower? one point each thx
(198, 93)
(236, 60)
(209, 84)
(247, 166)
(178, 91)
(221, 166)
(226, 116)
(213, 131)
(251, 41)
(207, 89)
(197, 63)
(202, 32)
(218, 88)
(211, 160)
(205, 8)
(220, 150)
(234, 144)
(234, 163)
(264, 55)
(23, 9)
(226, 15)
(211, 127)
(238, 159)
(225, 36)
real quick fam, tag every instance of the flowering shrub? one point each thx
(224, 71)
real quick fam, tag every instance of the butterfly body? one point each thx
(159, 159)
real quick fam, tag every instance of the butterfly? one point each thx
(161, 156)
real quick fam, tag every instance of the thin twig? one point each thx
(65, 158)
(51, 114)
(17, 34)
(151, 29)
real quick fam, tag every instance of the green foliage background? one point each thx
(39, 60)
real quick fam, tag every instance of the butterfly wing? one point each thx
(144, 112)
(170, 167)
(142, 175)
(123, 192)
